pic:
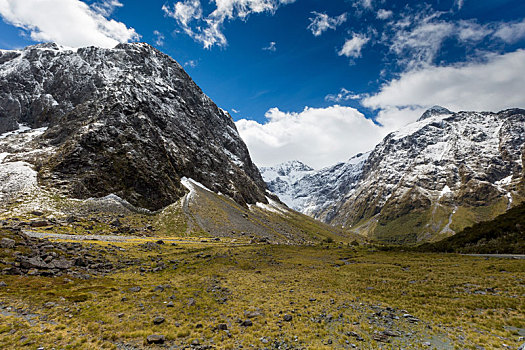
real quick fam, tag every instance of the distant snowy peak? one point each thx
(310, 191)
(293, 168)
(434, 111)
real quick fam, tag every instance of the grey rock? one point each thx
(247, 323)
(158, 320)
(7, 243)
(156, 339)
(62, 264)
(287, 318)
(39, 223)
(135, 289)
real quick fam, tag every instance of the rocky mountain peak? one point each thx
(289, 167)
(127, 121)
(434, 111)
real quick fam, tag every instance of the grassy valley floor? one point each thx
(220, 294)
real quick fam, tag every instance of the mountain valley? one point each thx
(132, 217)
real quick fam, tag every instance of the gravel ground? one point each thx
(115, 238)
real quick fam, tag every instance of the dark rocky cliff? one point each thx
(127, 121)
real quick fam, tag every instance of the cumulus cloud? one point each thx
(352, 47)
(491, 85)
(342, 96)
(317, 136)
(322, 22)
(208, 29)
(68, 22)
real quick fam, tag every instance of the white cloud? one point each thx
(271, 47)
(317, 136)
(366, 4)
(235, 111)
(352, 47)
(106, 7)
(342, 96)
(67, 22)
(511, 32)
(459, 4)
(159, 38)
(208, 29)
(492, 85)
(384, 14)
(322, 22)
(191, 63)
(420, 44)
(470, 31)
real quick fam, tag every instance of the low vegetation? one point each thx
(222, 294)
(503, 235)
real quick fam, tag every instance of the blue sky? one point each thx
(313, 80)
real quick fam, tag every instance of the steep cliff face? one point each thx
(426, 181)
(127, 121)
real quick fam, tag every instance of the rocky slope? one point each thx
(126, 121)
(121, 141)
(426, 181)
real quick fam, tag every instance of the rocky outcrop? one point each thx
(127, 121)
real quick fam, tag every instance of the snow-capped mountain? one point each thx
(428, 180)
(127, 121)
(312, 192)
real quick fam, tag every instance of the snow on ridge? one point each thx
(21, 128)
(418, 125)
(272, 206)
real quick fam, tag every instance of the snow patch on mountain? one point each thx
(444, 160)
(309, 191)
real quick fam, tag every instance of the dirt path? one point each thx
(109, 238)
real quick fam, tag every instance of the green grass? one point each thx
(273, 280)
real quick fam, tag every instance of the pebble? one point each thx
(247, 323)
(158, 320)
